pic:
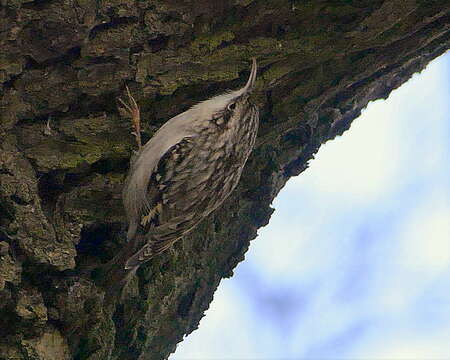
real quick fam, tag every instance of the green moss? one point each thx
(11, 64)
(59, 155)
(191, 75)
(229, 55)
(260, 47)
(206, 44)
(92, 139)
(390, 33)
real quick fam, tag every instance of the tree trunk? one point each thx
(64, 149)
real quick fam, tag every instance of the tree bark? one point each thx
(64, 149)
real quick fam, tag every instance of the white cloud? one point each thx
(412, 351)
(405, 345)
(426, 239)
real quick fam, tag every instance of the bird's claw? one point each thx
(131, 109)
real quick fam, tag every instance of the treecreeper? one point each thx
(182, 174)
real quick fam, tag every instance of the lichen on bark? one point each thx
(64, 150)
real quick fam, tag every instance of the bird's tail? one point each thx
(114, 275)
(114, 280)
(147, 252)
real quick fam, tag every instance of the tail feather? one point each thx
(114, 275)
(140, 257)
(147, 252)
(115, 280)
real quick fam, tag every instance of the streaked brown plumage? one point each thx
(185, 171)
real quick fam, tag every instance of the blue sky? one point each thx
(355, 263)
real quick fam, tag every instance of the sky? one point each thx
(355, 262)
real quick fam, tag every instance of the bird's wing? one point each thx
(145, 164)
(158, 222)
(162, 179)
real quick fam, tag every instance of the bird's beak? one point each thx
(252, 79)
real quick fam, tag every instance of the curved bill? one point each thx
(252, 78)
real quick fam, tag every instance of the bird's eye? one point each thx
(231, 106)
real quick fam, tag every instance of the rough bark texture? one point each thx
(63, 63)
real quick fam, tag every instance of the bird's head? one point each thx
(233, 104)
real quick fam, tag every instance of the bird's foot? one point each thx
(131, 109)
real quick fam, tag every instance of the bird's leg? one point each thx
(131, 109)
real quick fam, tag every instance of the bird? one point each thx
(184, 172)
